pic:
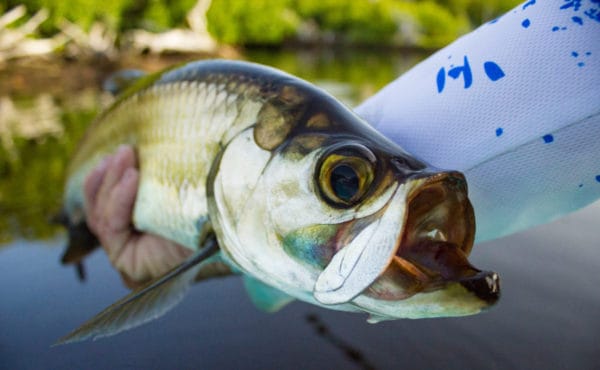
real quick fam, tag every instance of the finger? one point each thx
(92, 184)
(176, 255)
(160, 255)
(118, 213)
(123, 159)
(119, 208)
(132, 282)
(148, 256)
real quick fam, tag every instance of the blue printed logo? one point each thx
(491, 69)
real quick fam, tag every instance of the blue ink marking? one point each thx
(578, 20)
(563, 28)
(526, 23)
(555, 28)
(598, 178)
(576, 54)
(494, 20)
(499, 131)
(548, 138)
(593, 14)
(466, 72)
(530, 2)
(493, 71)
(575, 4)
(441, 79)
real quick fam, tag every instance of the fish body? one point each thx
(288, 187)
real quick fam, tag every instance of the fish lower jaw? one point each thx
(454, 300)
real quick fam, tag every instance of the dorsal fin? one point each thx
(147, 303)
(122, 80)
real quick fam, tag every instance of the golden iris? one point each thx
(344, 179)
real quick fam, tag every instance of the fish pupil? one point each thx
(344, 182)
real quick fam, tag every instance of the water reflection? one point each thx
(38, 134)
(37, 121)
(547, 317)
(354, 355)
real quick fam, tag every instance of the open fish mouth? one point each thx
(432, 250)
(440, 228)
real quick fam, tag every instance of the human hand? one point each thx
(110, 191)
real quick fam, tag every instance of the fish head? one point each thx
(338, 215)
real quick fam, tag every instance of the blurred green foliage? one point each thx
(360, 21)
(429, 23)
(433, 25)
(118, 15)
(251, 22)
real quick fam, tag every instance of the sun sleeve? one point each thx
(515, 105)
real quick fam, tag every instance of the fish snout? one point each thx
(485, 285)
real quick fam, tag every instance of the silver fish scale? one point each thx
(177, 128)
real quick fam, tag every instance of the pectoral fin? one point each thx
(213, 269)
(147, 303)
(265, 297)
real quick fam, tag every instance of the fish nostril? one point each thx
(455, 181)
(407, 166)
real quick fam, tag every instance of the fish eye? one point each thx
(345, 175)
(344, 181)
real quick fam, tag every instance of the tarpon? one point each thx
(263, 172)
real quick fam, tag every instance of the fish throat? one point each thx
(439, 231)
